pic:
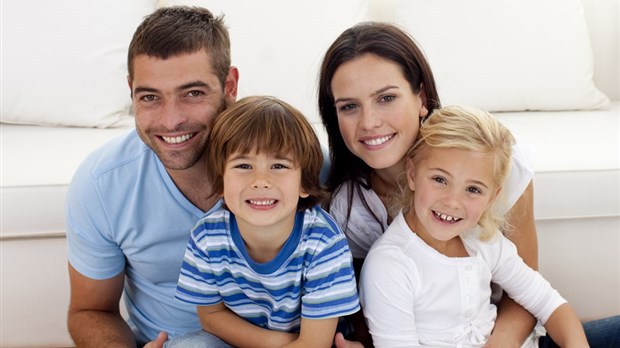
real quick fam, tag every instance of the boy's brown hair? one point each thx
(264, 124)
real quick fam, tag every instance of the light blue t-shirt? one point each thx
(124, 213)
(311, 276)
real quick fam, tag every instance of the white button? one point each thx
(468, 314)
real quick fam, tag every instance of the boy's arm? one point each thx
(565, 328)
(236, 331)
(315, 333)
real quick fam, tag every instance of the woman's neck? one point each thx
(385, 181)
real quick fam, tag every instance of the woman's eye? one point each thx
(387, 98)
(347, 107)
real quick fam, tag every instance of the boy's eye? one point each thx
(279, 166)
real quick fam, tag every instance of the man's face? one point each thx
(174, 101)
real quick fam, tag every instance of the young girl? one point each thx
(267, 267)
(426, 281)
(375, 87)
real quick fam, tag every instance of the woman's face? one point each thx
(378, 113)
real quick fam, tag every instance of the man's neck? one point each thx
(194, 185)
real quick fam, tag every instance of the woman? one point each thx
(375, 88)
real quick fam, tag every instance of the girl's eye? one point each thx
(243, 166)
(474, 190)
(439, 179)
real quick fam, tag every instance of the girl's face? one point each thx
(378, 113)
(452, 189)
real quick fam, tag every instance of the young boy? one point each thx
(267, 266)
(443, 249)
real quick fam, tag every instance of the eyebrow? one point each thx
(377, 92)
(193, 84)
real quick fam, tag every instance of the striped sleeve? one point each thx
(198, 277)
(330, 288)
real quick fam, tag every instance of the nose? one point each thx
(370, 118)
(261, 180)
(451, 198)
(172, 115)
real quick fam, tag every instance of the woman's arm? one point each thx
(514, 323)
(565, 328)
(236, 331)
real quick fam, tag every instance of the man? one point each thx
(133, 202)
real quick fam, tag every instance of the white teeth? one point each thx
(446, 218)
(268, 202)
(177, 139)
(378, 141)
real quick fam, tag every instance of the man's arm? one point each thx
(514, 323)
(94, 318)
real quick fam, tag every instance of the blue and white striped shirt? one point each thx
(312, 275)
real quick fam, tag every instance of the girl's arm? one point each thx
(514, 323)
(565, 328)
(315, 333)
(236, 331)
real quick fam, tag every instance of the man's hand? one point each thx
(158, 342)
(340, 342)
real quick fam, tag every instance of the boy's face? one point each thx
(452, 189)
(262, 190)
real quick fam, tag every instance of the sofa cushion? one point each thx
(506, 55)
(64, 63)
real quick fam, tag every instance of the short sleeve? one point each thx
(521, 174)
(91, 248)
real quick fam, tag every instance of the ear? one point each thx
(410, 172)
(129, 84)
(303, 193)
(495, 195)
(423, 108)
(231, 85)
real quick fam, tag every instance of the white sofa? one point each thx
(79, 100)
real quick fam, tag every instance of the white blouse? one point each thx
(414, 296)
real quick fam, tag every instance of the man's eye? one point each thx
(148, 98)
(195, 93)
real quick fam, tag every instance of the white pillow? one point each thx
(506, 55)
(64, 62)
(278, 45)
